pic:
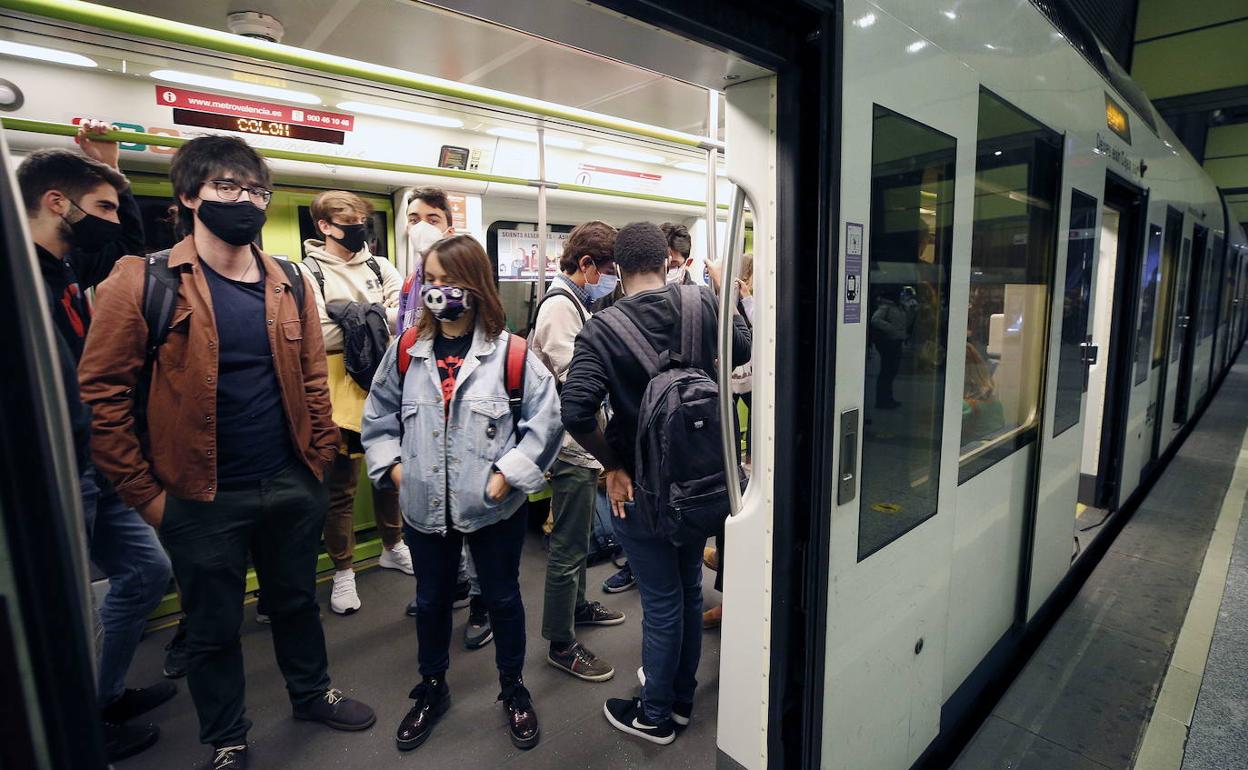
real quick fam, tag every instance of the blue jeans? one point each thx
(126, 549)
(436, 559)
(669, 578)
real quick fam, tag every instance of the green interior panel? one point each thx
(1216, 56)
(1165, 17)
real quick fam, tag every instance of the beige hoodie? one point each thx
(353, 281)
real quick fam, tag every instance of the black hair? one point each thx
(71, 174)
(677, 238)
(435, 198)
(641, 248)
(206, 157)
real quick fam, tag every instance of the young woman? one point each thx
(439, 426)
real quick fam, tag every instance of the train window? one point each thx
(1181, 299)
(911, 235)
(1150, 276)
(1017, 167)
(1072, 380)
(1208, 294)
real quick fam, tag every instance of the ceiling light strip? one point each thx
(128, 22)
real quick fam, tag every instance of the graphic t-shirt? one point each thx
(449, 353)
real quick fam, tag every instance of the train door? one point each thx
(1171, 275)
(1187, 324)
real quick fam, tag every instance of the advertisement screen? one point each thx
(518, 258)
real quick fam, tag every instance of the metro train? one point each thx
(993, 291)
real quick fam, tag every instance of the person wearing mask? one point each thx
(429, 220)
(463, 443)
(679, 244)
(587, 272)
(238, 435)
(344, 270)
(669, 576)
(83, 218)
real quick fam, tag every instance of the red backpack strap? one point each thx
(517, 353)
(406, 340)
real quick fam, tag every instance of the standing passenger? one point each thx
(345, 271)
(83, 217)
(679, 246)
(669, 576)
(589, 252)
(238, 435)
(463, 430)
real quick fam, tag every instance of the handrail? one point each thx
(727, 280)
(166, 30)
(159, 140)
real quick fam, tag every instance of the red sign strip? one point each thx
(217, 104)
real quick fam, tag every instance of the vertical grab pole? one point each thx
(541, 209)
(712, 162)
(736, 220)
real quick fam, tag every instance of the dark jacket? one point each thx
(602, 365)
(180, 453)
(365, 337)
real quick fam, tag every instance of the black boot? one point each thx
(432, 698)
(521, 717)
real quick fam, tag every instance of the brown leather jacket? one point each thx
(179, 453)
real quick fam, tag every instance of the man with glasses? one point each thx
(238, 435)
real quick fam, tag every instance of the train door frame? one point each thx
(1171, 259)
(1132, 202)
(1197, 264)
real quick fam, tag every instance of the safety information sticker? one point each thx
(853, 273)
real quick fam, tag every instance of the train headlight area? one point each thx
(995, 308)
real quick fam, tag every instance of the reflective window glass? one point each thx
(1072, 375)
(1017, 167)
(909, 244)
(1149, 278)
(1180, 297)
(1208, 296)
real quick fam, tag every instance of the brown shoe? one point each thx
(710, 557)
(713, 617)
(521, 717)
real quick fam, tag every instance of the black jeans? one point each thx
(890, 363)
(279, 521)
(496, 552)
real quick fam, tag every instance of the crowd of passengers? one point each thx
(223, 402)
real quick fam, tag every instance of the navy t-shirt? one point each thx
(253, 439)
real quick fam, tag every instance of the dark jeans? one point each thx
(126, 549)
(496, 553)
(890, 362)
(669, 578)
(279, 521)
(574, 493)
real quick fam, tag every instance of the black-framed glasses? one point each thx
(230, 191)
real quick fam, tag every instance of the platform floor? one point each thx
(372, 656)
(1085, 698)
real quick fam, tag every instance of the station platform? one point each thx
(372, 656)
(1147, 667)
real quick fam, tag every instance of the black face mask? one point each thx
(353, 236)
(91, 232)
(237, 224)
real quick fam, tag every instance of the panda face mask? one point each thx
(447, 302)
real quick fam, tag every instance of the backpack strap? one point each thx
(513, 372)
(295, 276)
(557, 291)
(314, 267)
(690, 325)
(160, 290)
(633, 339)
(406, 340)
(376, 268)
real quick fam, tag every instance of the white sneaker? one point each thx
(399, 557)
(344, 600)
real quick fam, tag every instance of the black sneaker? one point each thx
(620, 581)
(627, 716)
(682, 711)
(462, 595)
(594, 614)
(478, 632)
(521, 717)
(411, 609)
(230, 757)
(139, 700)
(337, 711)
(121, 741)
(579, 662)
(432, 698)
(177, 659)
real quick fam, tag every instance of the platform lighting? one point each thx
(626, 153)
(236, 86)
(998, 152)
(863, 22)
(990, 46)
(950, 15)
(382, 111)
(10, 48)
(521, 135)
(916, 46)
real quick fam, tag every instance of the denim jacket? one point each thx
(448, 456)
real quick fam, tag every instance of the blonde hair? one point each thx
(331, 202)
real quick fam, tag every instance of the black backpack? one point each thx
(365, 337)
(160, 292)
(680, 487)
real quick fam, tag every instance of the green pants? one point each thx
(573, 497)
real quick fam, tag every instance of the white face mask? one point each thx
(421, 236)
(676, 275)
